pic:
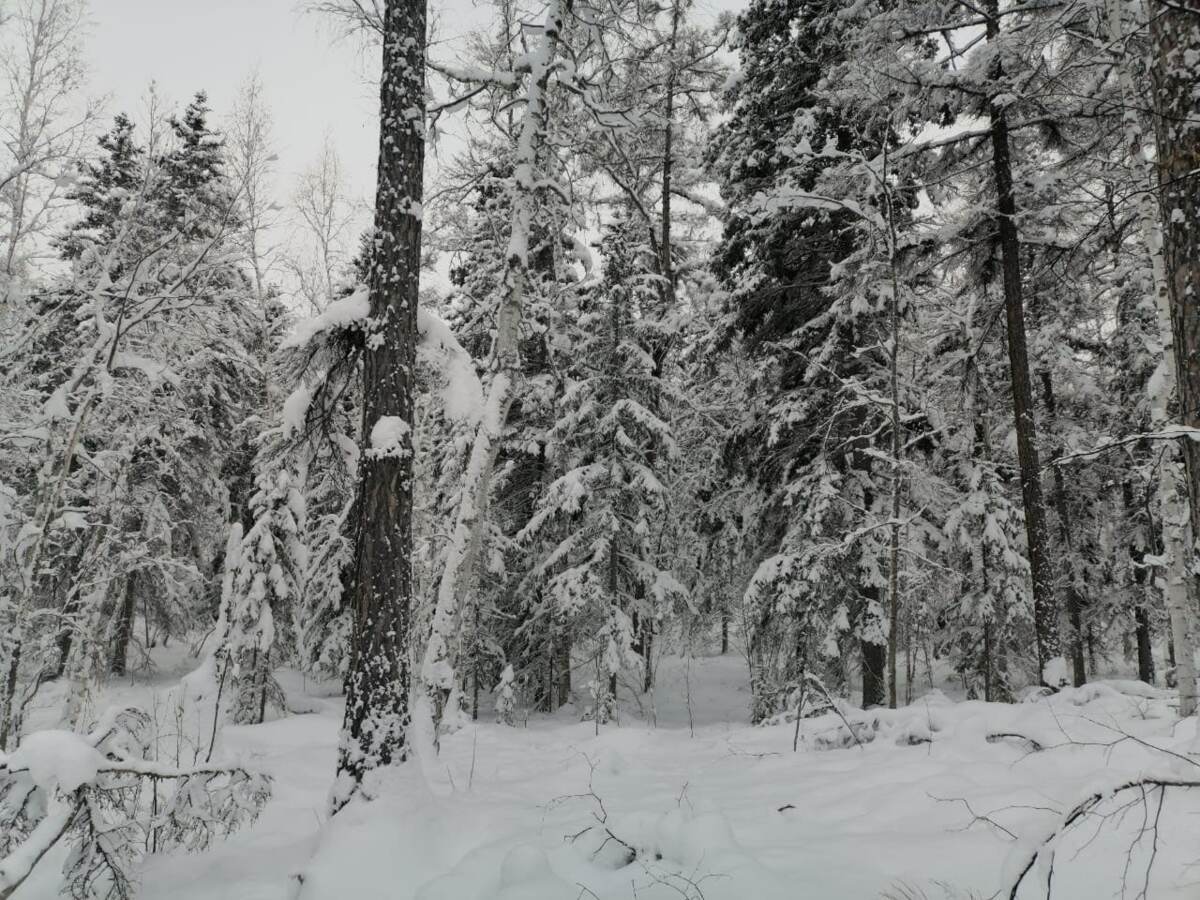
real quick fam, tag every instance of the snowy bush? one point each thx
(506, 701)
(99, 797)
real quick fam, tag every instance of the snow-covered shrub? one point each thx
(506, 701)
(100, 796)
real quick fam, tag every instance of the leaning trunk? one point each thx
(459, 573)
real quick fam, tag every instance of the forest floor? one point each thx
(933, 804)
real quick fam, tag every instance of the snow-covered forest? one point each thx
(745, 453)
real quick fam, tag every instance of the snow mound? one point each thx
(388, 436)
(343, 313)
(56, 759)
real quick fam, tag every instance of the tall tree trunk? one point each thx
(1175, 38)
(563, 651)
(381, 594)
(123, 631)
(457, 580)
(897, 445)
(874, 660)
(1045, 613)
(1066, 536)
(666, 263)
(1145, 656)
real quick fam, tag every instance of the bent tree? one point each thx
(377, 685)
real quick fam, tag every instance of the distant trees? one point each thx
(870, 359)
(136, 372)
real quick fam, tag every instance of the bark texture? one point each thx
(1175, 37)
(381, 593)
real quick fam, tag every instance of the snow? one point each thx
(388, 437)
(461, 391)
(295, 410)
(56, 760)
(343, 313)
(549, 810)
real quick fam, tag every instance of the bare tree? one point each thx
(324, 231)
(252, 167)
(43, 121)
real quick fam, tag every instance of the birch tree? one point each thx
(44, 120)
(1175, 39)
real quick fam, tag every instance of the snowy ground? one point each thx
(930, 807)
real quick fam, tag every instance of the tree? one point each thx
(141, 359)
(604, 517)
(44, 129)
(814, 344)
(267, 573)
(252, 166)
(377, 686)
(1175, 35)
(460, 570)
(326, 218)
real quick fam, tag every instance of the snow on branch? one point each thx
(109, 804)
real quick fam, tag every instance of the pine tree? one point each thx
(260, 605)
(605, 512)
(377, 686)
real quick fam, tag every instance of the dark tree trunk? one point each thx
(1066, 536)
(874, 661)
(874, 658)
(1137, 554)
(1145, 657)
(119, 663)
(377, 686)
(1045, 614)
(564, 669)
(647, 649)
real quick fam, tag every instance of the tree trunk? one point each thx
(874, 661)
(123, 632)
(874, 658)
(1074, 601)
(564, 669)
(1145, 657)
(457, 578)
(381, 594)
(1045, 614)
(1175, 39)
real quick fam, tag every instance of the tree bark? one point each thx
(1145, 656)
(1066, 536)
(874, 658)
(1175, 39)
(377, 685)
(123, 632)
(874, 661)
(1045, 613)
